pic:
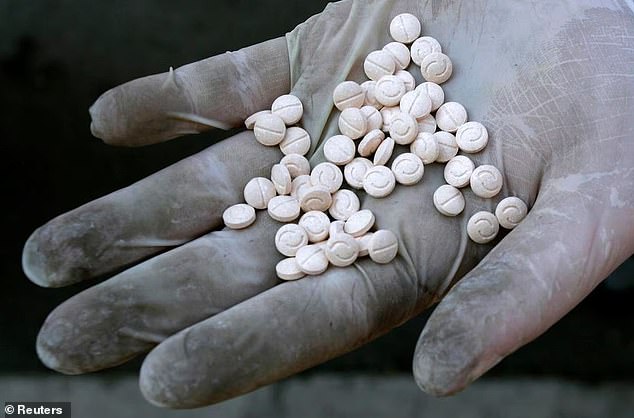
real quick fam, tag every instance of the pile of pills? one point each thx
(376, 116)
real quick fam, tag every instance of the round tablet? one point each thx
(448, 200)
(289, 108)
(290, 238)
(370, 142)
(458, 171)
(407, 78)
(269, 130)
(377, 64)
(344, 204)
(258, 192)
(383, 246)
(283, 208)
(316, 224)
(417, 103)
(408, 169)
(388, 113)
(472, 137)
(281, 179)
(482, 227)
(336, 227)
(359, 223)
(238, 216)
(348, 94)
(296, 164)
(364, 243)
(288, 269)
(422, 47)
(436, 67)
(486, 181)
(435, 93)
(384, 152)
(405, 28)
(370, 97)
(339, 149)
(296, 141)
(379, 181)
(400, 54)
(389, 90)
(250, 121)
(425, 147)
(510, 212)
(314, 198)
(451, 116)
(373, 117)
(447, 146)
(352, 123)
(355, 170)
(298, 183)
(311, 259)
(403, 129)
(426, 124)
(327, 175)
(342, 250)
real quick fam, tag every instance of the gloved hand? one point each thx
(553, 83)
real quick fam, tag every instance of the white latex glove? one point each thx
(553, 81)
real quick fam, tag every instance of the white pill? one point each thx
(436, 67)
(289, 108)
(379, 181)
(290, 238)
(425, 147)
(283, 208)
(296, 164)
(370, 142)
(359, 223)
(435, 93)
(377, 64)
(448, 200)
(389, 90)
(369, 88)
(336, 227)
(486, 181)
(451, 116)
(403, 128)
(426, 124)
(352, 123)
(250, 121)
(405, 28)
(339, 149)
(298, 183)
(472, 137)
(383, 246)
(510, 212)
(258, 192)
(314, 198)
(281, 179)
(238, 216)
(400, 54)
(447, 146)
(311, 259)
(482, 227)
(327, 175)
(407, 78)
(344, 204)
(316, 224)
(296, 141)
(364, 243)
(417, 103)
(348, 94)
(342, 250)
(388, 113)
(373, 117)
(422, 47)
(408, 169)
(269, 130)
(355, 170)
(384, 152)
(288, 269)
(458, 171)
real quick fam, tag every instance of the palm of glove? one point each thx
(555, 99)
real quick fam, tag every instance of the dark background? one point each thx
(57, 57)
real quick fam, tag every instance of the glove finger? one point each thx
(220, 91)
(564, 248)
(164, 210)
